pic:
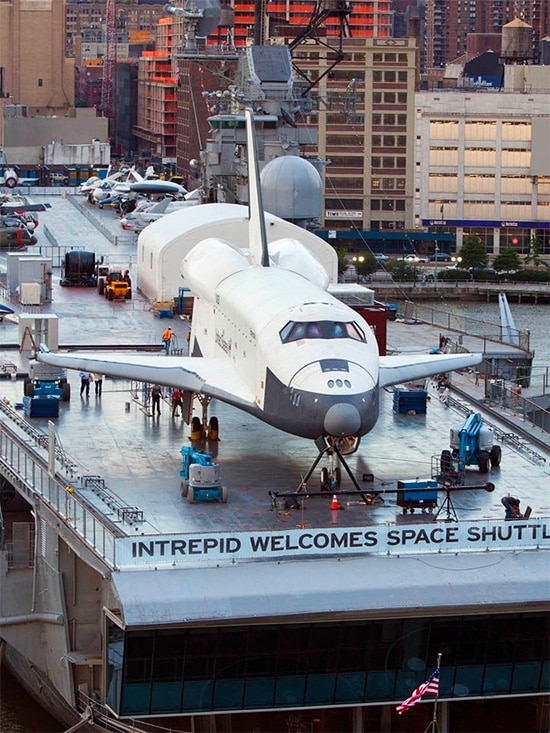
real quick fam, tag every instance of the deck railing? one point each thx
(26, 468)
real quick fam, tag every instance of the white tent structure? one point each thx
(163, 244)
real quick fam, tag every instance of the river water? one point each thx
(527, 317)
(19, 713)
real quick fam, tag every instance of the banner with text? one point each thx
(226, 547)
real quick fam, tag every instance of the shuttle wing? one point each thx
(406, 368)
(214, 377)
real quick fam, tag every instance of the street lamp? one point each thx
(357, 261)
(436, 252)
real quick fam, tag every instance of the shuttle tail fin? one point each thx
(257, 230)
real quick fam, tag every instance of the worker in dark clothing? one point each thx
(98, 379)
(511, 505)
(85, 379)
(156, 394)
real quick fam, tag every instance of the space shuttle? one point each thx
(268, 338)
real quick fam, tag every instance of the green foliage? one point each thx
(532, 276)
(507, 261)
(534, 255)
(400, 271)
(452, 275)
(342, 259)
(473, 252)
(367, 265)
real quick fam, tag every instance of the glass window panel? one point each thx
(497, 679)
(468, 681)
(526, 677)
(228, 694)
(380, 686)
(320, 689)
(135, 699)
(201, 643)
(259, 693)
(545, 677)
(166, 697)
(115, 658)
(350, 687)
(197, 695)
(290, 690)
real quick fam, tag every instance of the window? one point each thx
(295, 331)
(389, 141)
(389, 120)
(389, 97)
(377, 98)
(389, 77)
(402, 76)
(40, 82)
(377, 76)
(377, 119)
(376, 141)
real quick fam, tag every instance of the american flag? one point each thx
(430, 687)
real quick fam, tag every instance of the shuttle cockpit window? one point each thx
(295, 331)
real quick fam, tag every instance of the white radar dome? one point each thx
(292, 188)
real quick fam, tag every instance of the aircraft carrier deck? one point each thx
(116, 502)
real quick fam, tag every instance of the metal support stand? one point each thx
(331, 449)
(448, 506)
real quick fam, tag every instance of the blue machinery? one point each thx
(201, 477)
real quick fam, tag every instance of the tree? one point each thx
(534, 253)
(473, 252)
(342, 255)
(366, 264)
(507, 261)
(400, 271)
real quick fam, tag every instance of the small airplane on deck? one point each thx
(267, 337)
(10, 178)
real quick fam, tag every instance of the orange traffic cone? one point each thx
(334, 504)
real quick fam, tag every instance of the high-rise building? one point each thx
(482, 164)
(34, 69)
(448, 23)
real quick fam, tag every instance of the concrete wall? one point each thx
(67, 140)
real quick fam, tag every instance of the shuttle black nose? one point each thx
(342, 419)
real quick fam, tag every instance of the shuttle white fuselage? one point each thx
(269, 338)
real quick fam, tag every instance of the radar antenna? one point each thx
(334, 9)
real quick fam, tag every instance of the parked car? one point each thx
(440, 257)
(380, 257)
(414, 259)
(483, 273)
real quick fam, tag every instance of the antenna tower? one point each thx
(108, 88)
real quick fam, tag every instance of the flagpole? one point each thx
(433, 726)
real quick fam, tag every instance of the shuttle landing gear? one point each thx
(331, 475)
(204, 429)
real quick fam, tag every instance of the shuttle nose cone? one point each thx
(342, 419)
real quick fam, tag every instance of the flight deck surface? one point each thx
(138, 456)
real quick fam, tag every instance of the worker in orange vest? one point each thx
(167, 339)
